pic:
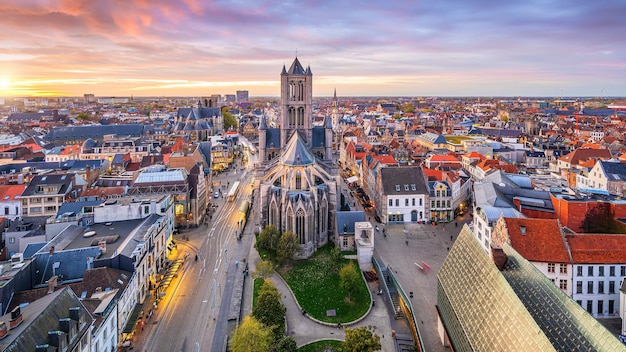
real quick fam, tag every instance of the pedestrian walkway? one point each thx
(305, 330)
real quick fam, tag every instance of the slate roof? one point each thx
(42, 316)
(62, 180)
(296, 152)
(348, 218)
(296, 68)
(272, 138)
(403, 175)
(614, 171)
(433, 138)
(541, 241)
(64, 133)
(597, 248)
(318, 136)
(196, 113)
(75, 208)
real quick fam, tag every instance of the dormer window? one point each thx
(397, 188)
(522, 230)
(413, 188)
(406, 187)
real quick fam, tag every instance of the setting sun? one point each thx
(4, 83)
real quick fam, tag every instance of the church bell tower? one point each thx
(296, 98)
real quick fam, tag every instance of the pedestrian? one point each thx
(451, 237)
(407, 242)
(142, 325)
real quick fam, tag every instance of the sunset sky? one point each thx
(361, 48)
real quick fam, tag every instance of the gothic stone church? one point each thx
(298, 182)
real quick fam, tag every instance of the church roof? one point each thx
(297, 153)
(318, 135)
(296, 68)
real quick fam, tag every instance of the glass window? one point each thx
(623, 270)
(601, 271)
(601, 306)
(611, 286)
(563, 268)
(406, 202)
(397, 202)
(601, 287)
(589, 287)
(550, 267)
(579, 287)
(590, 307)
(589, 271)
(579, 271)
(612, 270)
(391, 202)
(420, 202)
(563, 284)
(611, 306)
(412, 201)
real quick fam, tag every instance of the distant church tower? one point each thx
(296, 98)
(334, 110)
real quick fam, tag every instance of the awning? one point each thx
(352, 179)
(132, 321)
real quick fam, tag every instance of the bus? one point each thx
(232, 194)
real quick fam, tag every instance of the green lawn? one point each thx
(258, 282)
(321, 346)
(317, 288)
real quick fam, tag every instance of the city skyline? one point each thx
(193, 48)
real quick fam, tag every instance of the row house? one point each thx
(432, 141)
(63, 153)
(10, 203)
(608, 176)
(441, 208)
(403, 195)
(112, 145)
(443, 162)
(459, 186)
(589, 268)
(45, 193)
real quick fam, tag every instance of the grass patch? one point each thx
(321, 346)
(258, 283)
(316, 285)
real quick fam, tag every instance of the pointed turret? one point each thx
(296, 68)
(262, 123)
(284, 72)
(308, 70)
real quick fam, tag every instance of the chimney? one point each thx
(56, 338)
(64, 325)
(44, 348)
(498, 256)
(16, 318)
(75, 313)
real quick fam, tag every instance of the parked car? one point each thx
(216, 195)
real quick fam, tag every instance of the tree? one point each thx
(229, 119)
(263, 269)
(251, 336)
(335, 259)
(349, 278)
(287, 245)
(268, 239)
(361, 340)
(83, 116)
(286, 344)
(269, 310)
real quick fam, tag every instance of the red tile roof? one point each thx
(597, 248)
(542, 241)
(11, 191)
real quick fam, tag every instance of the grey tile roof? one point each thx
(272, 138)
(346, 220)
(297, 152)
(94, 131)
(401, 176)
(296, 68)
(76, 207)
(42, 316)
(318, 136)
(62, 180)
(614, 171)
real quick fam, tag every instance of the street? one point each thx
(191, 317)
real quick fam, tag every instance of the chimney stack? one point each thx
(498, 256)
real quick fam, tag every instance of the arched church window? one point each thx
(298, 180)
(274, 214)
(290, 220)
(301, 117)
(300, 227)
(323, 215)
